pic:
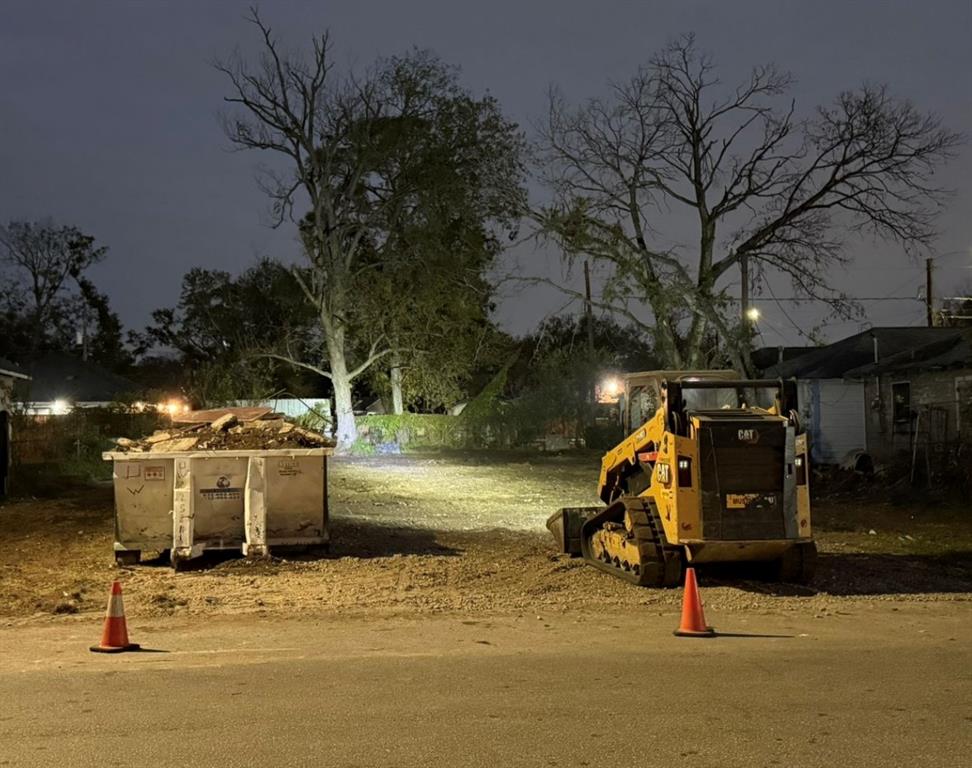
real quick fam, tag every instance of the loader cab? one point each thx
(645, 393)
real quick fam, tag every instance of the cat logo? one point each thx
(223, 482)
(750, 436)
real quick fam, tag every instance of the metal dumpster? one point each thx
(191, 501)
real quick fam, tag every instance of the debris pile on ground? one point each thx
(227, 429)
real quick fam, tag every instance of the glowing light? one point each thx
(753, 314)
(611, 387)
(60, 407)
(172, 407)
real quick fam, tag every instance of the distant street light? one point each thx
(611, 387)
(608, 390)
(753, 314)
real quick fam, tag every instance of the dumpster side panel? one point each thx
(143, 503)
(296, 510)
(218, 486)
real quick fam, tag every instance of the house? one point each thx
(60, 382)
(919, 395)
(9, 374)
(834, 404)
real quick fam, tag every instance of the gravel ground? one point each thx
(459, 533)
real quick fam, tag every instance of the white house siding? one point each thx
(292, 407)
(833, 411)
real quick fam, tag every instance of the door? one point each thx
(837, 428)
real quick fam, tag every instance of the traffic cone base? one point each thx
(693, 618)
(113, 649)
(707, 632)
(114, 636)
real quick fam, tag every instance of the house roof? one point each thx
(947, 352)
(836, 360)
(60, 376)
(11, 371)
(764, 357)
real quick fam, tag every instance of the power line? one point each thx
(848, 298)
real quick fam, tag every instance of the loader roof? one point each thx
(646, 377)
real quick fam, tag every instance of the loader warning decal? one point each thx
(744, 500)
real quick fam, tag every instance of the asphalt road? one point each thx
(889, 685)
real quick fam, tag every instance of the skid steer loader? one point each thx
(714, 469)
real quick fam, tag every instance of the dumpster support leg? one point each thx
(255, 508)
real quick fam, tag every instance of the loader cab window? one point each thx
(642, 404)
(728, 397)
(710, 399)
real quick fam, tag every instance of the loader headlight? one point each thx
(801, 469)
(684, 472)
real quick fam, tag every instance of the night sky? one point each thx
(108, 115)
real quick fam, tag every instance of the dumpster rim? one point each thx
(242, 454)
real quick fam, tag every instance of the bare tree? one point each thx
(757, 183)
(322, 127)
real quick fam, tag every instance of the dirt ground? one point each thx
(413, 535)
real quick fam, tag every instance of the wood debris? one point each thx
(223, 423)
(227, 432)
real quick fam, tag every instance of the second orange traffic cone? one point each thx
(114, 637)
(693, 619)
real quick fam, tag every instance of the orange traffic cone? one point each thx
(114, 637)
(693, 619)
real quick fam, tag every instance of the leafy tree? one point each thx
(763, 188)
(350, 170)
(453, 169)
(551, 382)
(223, 327)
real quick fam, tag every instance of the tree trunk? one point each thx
(395, 375)
(346, 431)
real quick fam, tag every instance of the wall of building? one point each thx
(833, 412)
(6, 387)
(6, 392)
(935, 406)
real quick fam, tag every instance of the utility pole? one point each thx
(746, 317)
(589, 321)
(588, 312)
(929, 314)
(744, 293)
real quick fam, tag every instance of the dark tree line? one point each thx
(47, 301)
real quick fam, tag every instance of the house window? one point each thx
(901, 401)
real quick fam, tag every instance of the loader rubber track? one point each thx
(660, 565)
